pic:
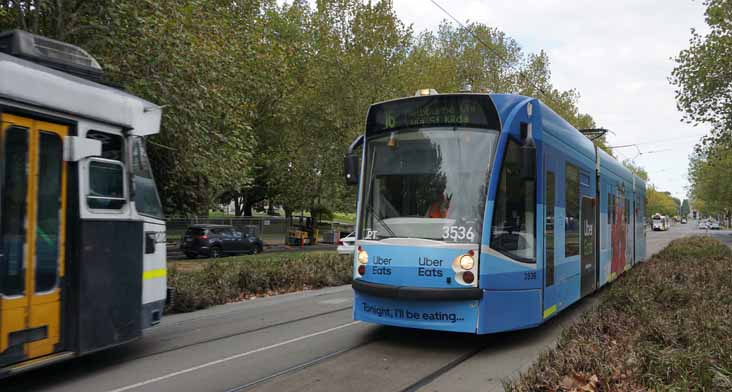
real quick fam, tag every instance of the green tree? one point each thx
(637, 170)
(704, 93)
(190, 56)
(685, 210)
(702, 75)
(660, 202)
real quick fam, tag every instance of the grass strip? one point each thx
(664, 326)
(199, 285)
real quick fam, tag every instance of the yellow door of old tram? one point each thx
(32, 237)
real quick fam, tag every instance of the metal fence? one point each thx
(271, 229)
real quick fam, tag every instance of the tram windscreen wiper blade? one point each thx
(381, 221)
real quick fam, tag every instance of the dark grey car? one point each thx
(217, 241)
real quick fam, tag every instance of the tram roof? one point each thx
(33, 84)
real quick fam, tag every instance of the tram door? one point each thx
(32, 234)
(588, 261)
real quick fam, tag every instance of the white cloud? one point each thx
(617, 54)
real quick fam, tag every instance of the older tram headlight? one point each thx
(363, 257)
(467, 262)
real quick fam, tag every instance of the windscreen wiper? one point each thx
(381, 221)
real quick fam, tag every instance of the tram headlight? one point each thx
(467, 262)
(363, 257)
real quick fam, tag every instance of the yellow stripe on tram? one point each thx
(548, 312)
(154, 274)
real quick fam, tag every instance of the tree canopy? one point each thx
(262, 99)
(703, 78)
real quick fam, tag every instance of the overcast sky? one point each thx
(616, 53)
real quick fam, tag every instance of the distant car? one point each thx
(346, 245)
(714, 226)
(703, 225)
(683, 221)
(218, 240)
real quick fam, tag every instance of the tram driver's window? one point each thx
(112, 145)
(106, 185)
(513, 216)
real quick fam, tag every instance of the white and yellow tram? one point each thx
(82, 235)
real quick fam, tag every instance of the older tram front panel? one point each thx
(82, 237)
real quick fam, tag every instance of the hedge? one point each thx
(666, 325)
(221, 281)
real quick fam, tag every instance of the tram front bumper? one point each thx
(453, 309)
(416, 293)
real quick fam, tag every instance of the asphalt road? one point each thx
(306, 342)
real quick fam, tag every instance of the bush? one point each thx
(238, 278)
(665, 325)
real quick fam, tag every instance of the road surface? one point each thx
(306, 342)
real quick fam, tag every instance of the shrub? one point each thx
(233, 279)
(665, 325)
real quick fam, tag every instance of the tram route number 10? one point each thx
(458, 233)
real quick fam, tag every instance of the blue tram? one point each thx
(483, 213)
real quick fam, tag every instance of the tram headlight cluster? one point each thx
(465, 268)
(467, 262)
(363, 259)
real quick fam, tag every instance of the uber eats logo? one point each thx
(427, 267)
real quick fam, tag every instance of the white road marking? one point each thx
(334, 301)
(231, 358)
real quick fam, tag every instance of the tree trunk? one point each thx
(238, 206)
(270, 210)
(248, 209)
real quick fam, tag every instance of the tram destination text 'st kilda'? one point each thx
(82, 233)
(483, 213)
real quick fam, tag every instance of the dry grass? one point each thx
(664, 326)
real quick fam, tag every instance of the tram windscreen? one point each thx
(428, 183)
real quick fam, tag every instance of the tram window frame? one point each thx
(527, 194)
(115, 204)
(571, 182)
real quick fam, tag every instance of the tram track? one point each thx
(235, 334)
(426, 380)
(292, 369)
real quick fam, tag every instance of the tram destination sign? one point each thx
(463, 110)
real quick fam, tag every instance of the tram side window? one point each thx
(610, 209)
(549, 228)
(14, 206)
(572, 209)
(48, 215)
(147, 201)
(514, 214)
(106, 185)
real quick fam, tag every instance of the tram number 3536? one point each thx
(458, 233)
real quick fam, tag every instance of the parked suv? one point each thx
(217, 241)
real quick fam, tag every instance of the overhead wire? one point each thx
(658, 141)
